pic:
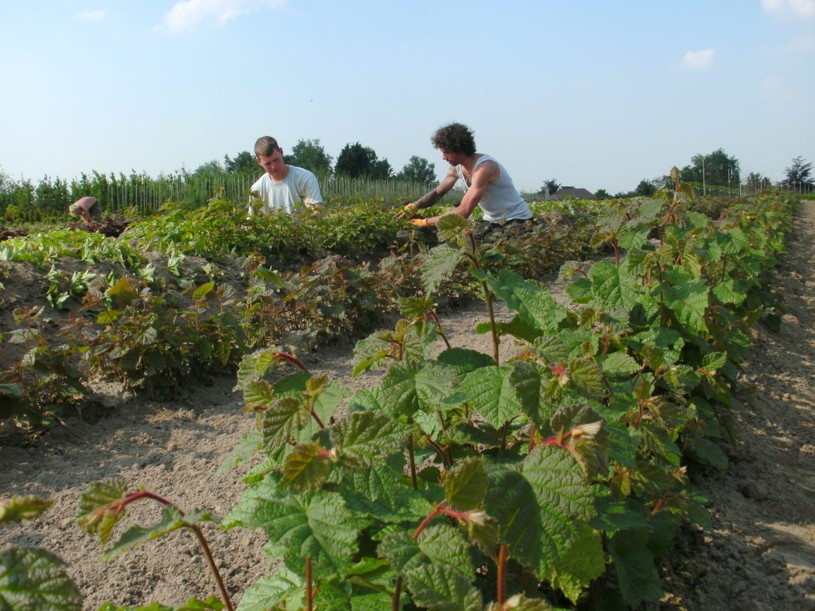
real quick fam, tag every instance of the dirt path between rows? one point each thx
(758, 555)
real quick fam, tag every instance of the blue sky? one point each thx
(592, 93)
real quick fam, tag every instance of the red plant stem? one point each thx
(316, 418)
(533, 431)
(309, 595)
(199, 534)
(638, 419)
(290, 358)
(503, 556)
(658, 505)
(439, 450)
(554, 440)
(493, 328)
(212, 566)
(397, 594)
(440, 508)
(439, 328)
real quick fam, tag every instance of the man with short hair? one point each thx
(488, 185)
(283, 187)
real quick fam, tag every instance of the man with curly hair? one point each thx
(487, 185)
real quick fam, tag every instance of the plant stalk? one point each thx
(503, 556)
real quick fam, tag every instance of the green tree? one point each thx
(357, 161)
(602, 194)
(756, 182)
(646, 188)
(210, 168)
(311, 155)
(243, 163)
(382, 170)
(53, 197)
(798, 174)
(550, 187)
(418, 169)
(713, 169)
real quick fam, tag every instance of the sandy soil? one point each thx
(759, 554)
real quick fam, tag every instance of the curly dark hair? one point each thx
(455, 138)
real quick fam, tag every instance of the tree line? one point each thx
(716, 172)
(358, 171)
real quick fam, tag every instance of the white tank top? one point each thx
(501, 200)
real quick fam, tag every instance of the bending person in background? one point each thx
(283, 187)
(87, 208)
(487, 185)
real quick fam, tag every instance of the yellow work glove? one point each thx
(407, 212)
(420, 222)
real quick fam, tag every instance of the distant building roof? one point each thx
(573, 193)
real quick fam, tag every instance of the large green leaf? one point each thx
(367, 437)
(586, 378)
(284, 587)
(563, 497)
(552, 348)
(464, 360)
(493, 395)
(435, 382)
(32, 578)
(539, 509)
(439, 265)
(437, 544)
(281, 423)
(306, 467)
(614, 286)
(619, 364)
(688, 299)
(582, 562)
(730, 292)
(316, 525)
(733, 241)
(443, 588)
(534, 303)
(634, 563)
(466, 485)
(382, 492)
(397, 392)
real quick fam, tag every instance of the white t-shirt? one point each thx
(501, 200)
(298, 188)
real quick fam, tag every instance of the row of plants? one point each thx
(140, 194)
(190, 292)
(553, 479)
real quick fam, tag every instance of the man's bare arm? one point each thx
(433, 197)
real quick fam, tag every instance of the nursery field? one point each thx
(660, 442)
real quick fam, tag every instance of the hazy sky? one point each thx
(593, 93)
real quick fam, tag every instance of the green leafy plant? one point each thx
(31, 577)
(561, 467)
(105, 504)
(44, 379)
(147, 341)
